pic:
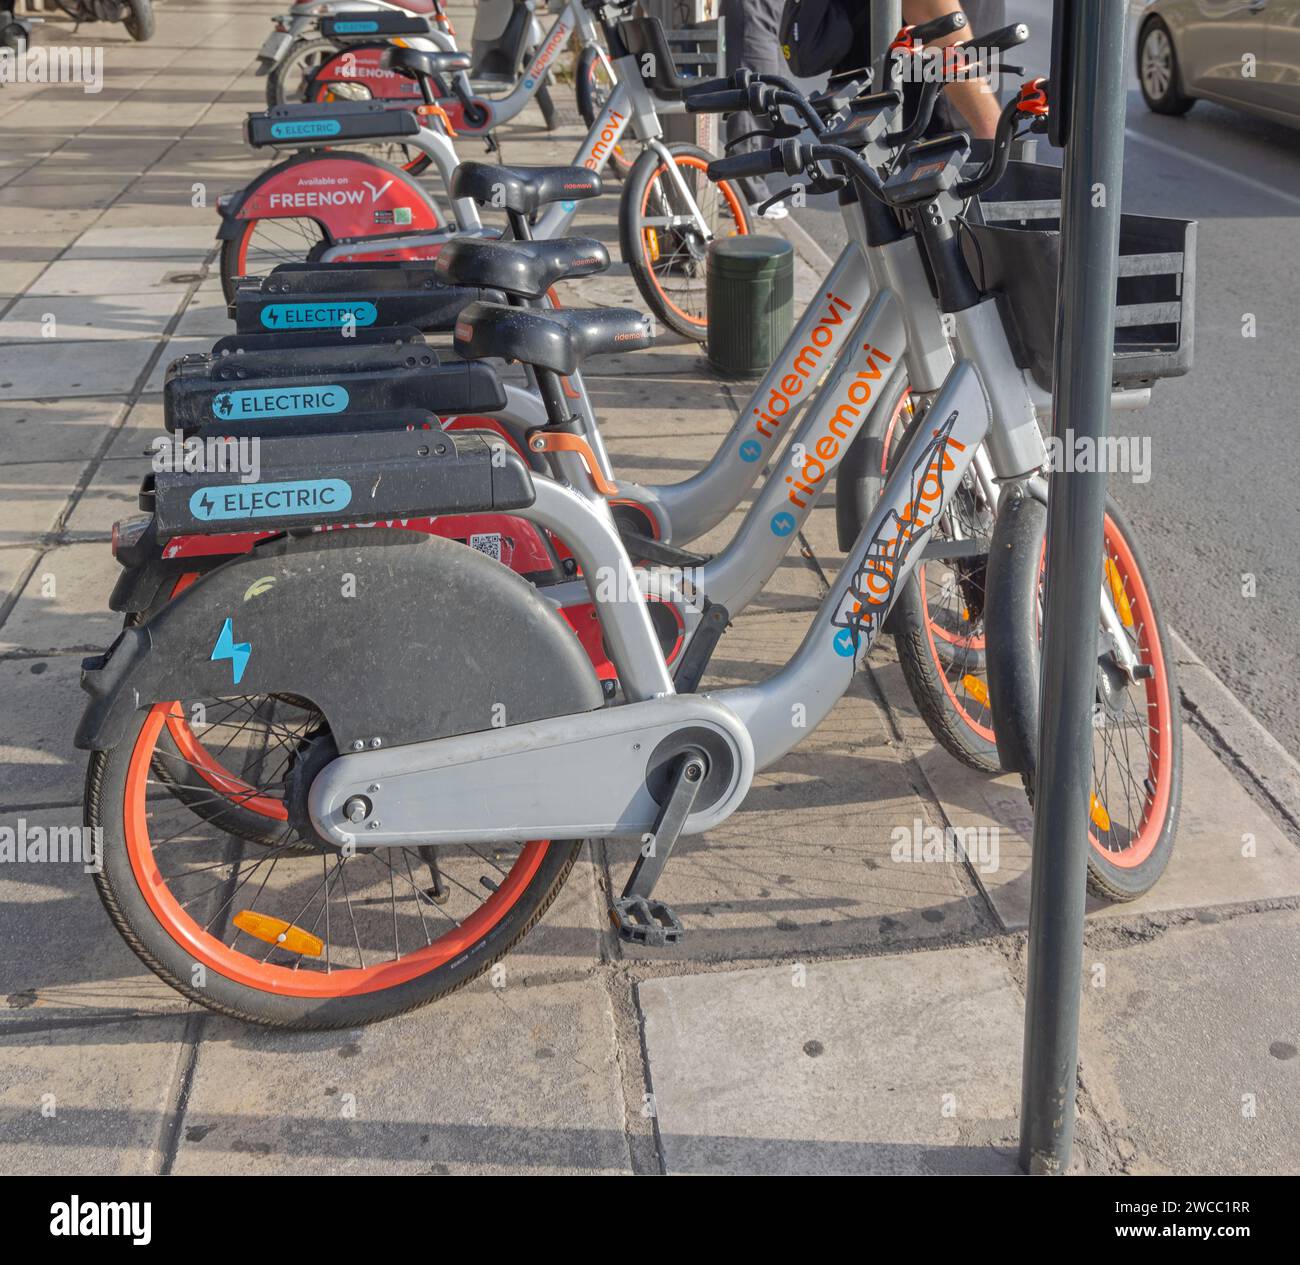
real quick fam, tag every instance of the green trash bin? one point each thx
(750, 289)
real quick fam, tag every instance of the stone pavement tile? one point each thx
(119, 277)
(63, 369)
(519, 1079)
(13, 565)
(805, 865)
(54, 430)
(1188, 1048)
(188, 243)
(109, 1084)
(32, 497)
(31, 246)
(17, 274)
(113, 493)
(18, 198)
(130, 213)
(65, 603)
(43, 702)
(84, 971)
(95, 159)
(60, 219)
(145, 107)
(907, 1064)
(114, 316)
(1207, 867)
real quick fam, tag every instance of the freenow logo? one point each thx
(822, 339)
(280, 402)
(271, 500)
(317, 315)
(330, 197)
(124, 1220)
(306, 129)
(824, 452)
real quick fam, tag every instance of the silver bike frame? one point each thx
(515, 783)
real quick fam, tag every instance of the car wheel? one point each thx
(1158, 70)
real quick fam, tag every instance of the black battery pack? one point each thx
(332, 124)
(347, 479)
(320, 388)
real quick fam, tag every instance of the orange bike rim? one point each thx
(209, 949)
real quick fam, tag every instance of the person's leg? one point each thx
(751, 35)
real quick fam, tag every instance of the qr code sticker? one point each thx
(488, 543)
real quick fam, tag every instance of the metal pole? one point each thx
(886, 18)
(1090, 207)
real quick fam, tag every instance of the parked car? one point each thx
(1241, 53)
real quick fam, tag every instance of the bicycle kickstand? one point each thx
(638, 917)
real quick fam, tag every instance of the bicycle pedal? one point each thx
(648, 922)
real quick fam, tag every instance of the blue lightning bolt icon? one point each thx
(226, 648)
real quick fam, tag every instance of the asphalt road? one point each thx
(1223, 499)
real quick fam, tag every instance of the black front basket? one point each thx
(1012, 242)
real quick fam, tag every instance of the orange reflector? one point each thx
(976, 688)
(1097, 811)
(277, 931)
(436, 111)
(1118, 595)
(652, 244)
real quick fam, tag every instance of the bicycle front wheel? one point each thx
(1137, 749)
(665, 234)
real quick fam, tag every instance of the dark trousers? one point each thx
(751, 35)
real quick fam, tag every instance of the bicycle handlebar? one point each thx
(1004, 38)
(928, 32)
(996, 166)
(757, 162)
(714, 100)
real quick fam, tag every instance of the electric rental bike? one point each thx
(680, 632)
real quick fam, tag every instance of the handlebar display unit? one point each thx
(927, 169)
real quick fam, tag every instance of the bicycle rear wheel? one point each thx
(265, 243)
(295, 933)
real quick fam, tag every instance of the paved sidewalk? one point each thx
(831, 1009)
